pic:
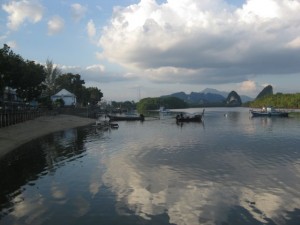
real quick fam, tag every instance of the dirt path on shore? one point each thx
(14, 136)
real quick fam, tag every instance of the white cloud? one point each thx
(91, 29)
(12, 44)
(20, 11)
(96, 68)
(255, 10)
(55, 25)
(208, 42)
(78, 11)
(295, 43)
(248, 85)
(96, 73)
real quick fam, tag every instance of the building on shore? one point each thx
(68, 97)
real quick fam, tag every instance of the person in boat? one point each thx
(180, 116)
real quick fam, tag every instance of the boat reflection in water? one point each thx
(232, 172)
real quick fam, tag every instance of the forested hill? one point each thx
(279, 100)
(156, 103)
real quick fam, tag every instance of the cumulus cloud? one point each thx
(96, 68)
(248, 85)
(78, 11)
(91, 29)
(96, 73)
(194, 41)
(21, 11)
(55, 25)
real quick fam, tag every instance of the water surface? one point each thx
(230, 169)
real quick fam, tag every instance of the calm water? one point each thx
(231, 169)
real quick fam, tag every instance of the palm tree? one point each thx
(52, 72)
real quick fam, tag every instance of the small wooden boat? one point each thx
(194, 118)
(269, 111)
(126, 118)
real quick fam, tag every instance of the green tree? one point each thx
(4, 52)
(278, 100)
(24, 76)
(30, 85)
(127, 105)
(30, 79)
(95, 95)
(11, 65)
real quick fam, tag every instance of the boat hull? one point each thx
(126, 118)
(270, 114)
(190, 119)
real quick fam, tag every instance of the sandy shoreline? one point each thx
(14, 136)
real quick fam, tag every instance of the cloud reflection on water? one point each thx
(160, 171)
(205, 195)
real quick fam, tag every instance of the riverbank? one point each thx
(16, 135)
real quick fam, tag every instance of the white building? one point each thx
(68, 97)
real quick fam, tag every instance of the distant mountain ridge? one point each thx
(207, 96)
(215, 91)
(225, 94)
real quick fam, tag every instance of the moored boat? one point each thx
(269, 111)
(126, 118)
(190, 118)
(195, 118)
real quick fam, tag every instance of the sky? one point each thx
(133, 49)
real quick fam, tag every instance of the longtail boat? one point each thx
(126, 118)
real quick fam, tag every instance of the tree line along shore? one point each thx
(26, 83)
